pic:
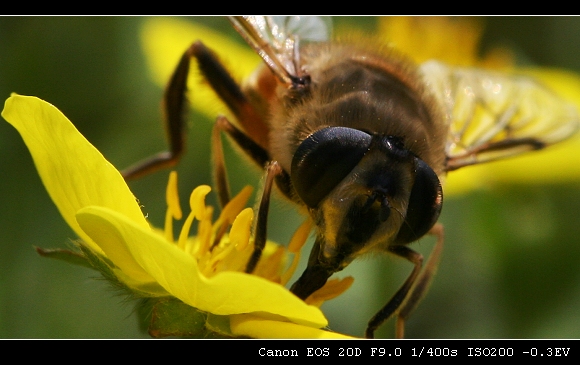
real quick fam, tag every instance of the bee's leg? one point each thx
(272, 170)
(397, 300)
(422, 283)
(174, 106)
(503, 148)
(251, 148)
(219, 162)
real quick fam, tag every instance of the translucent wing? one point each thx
(276, 39)
(494, 115)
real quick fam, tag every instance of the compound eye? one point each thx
(324, 159)
(425, 204)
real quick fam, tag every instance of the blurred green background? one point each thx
(510, 267)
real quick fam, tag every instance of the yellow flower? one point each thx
(454, 41)
(95, 201)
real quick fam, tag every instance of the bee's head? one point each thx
(364, 191)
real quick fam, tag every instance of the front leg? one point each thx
(422, 283)
(260, 234)
(397, 300)
(251, 148)
(174, 105)
(412, 291)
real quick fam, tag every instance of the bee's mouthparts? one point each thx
(312, 279)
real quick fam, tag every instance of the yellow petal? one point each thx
(564, 83)
(74, 172)
(176, 271)
(451, 40)
(257, 327)
(112, 241)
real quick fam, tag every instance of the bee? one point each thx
(360, 139)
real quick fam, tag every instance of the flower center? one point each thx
(216, 250)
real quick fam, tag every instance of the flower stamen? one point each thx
(173, 206)
(295, 246)
(240, 231)
(229, 213)
(184, 234)
(332, 289)
(204, 232)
